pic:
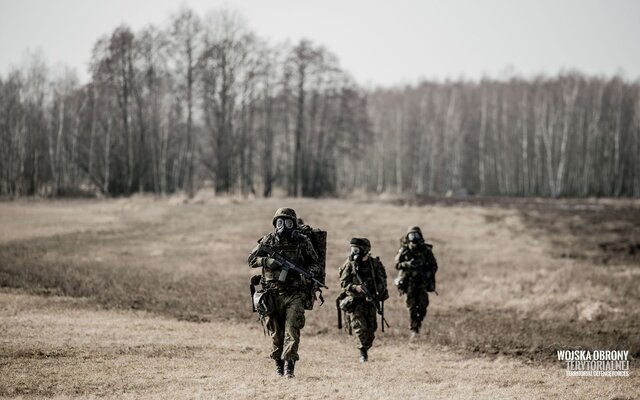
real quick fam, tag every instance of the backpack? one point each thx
(318, 239)
(430, 274)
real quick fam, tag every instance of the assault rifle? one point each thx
(379, 305)
(426, 272)
(288, 265)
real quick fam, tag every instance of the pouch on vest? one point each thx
(347, 304)
(263, 301)
(402, 283)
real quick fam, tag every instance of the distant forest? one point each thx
(204, 103)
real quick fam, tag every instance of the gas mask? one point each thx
(415, 240)
(357, 254)
(284, 227)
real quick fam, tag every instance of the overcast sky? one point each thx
(378, 42)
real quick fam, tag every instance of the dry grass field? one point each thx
(148, 297)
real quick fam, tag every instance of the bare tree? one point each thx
(201, 101)
(186, 30)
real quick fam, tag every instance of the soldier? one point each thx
(362, 273)
(417, 267)
(288, 298)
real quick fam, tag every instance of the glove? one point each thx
(384, 295)
(407, 265)
(270, 263)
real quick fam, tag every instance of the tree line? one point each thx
(204, 103)
(196, 102)
(570, 135)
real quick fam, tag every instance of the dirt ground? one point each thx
(148, 297)
(58, 346)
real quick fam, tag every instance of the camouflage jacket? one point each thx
(371, 271)
(416, 263)
(299, 250)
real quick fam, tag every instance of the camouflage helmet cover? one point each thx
(361, 242)
(284, 212)
(409, 238)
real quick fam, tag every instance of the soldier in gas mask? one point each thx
(363, 280)
(288, 299)
(417, 267)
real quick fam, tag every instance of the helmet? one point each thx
(284, 212)
(414, 235)
(359, 249)
(364, 243)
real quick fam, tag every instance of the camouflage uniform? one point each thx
(362, 314)
(291, 297)
(416, 264)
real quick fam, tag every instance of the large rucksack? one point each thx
(318, 239)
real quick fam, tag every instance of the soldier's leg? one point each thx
(412, 304)
(294, 322)
(372, 324)
(362, 326)
(276, 328)
(423, 303)
(356, 326)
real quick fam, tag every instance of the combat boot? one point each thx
(288, 369)
(364, 357)
(415, 334)
(280, 367)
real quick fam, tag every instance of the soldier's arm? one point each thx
(406, 264)
(347, 279)
(256, 260)
(398, 259)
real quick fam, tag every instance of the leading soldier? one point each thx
(363, 280)
(417, 266)
(290, 297)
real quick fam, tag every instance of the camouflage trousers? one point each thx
(363, 323)
(284, 325)
(417, 303)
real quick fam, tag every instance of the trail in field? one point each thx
(65, 347)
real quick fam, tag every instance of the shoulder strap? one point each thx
(374, 271)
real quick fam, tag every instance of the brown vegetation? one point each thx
(505, 289)
(62, 347)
